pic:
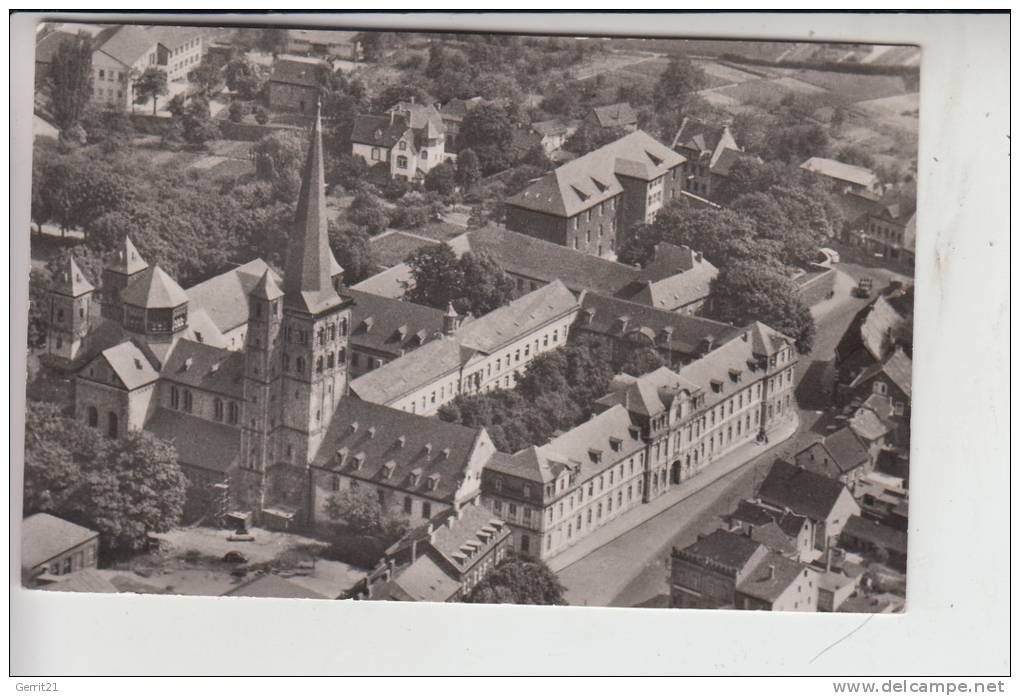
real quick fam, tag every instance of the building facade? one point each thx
(405, 143)
(590, 203)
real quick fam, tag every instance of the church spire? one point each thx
(307, 280)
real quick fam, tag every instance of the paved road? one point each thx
(600, 578)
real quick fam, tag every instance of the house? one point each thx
(406, 142)
(416, 466)
(590, 203)
(709, 151)
(890, 378)
(845, 177)
(272, 586)
(884, 497)
(678, 279)
(324, 43)
(888, 225)
(826, 502)
(440, 561)
(835, 588)
(705, 574)
(839, 455)
(295, 84)
(781, 531)
(619, 115)
(777, 583)
(630, 326)
(869, 339)
(553, 133)
(156, 359)
(384, 329)
(871, 536)
(480, 355)
(52, 547)
(650, 433)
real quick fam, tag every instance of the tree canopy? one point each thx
(746, 292)
(124, 488)
(518, 580)
(70, 79)
(473, 283)
(151, 84)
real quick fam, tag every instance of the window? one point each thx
(111, 424)
(93, 416)
(375, 154)
(426, 510)
(218, 409)
(401, 162)
(525, 543)
(175, 398)
(300, 366)
(188, 403)
(527, 490)
(402, 145)
(881, 387)
(318, 364)
(232, 413)
(408, 505)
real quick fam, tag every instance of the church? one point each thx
(245, 373)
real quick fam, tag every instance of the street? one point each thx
(632, 570)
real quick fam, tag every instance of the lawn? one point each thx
(852, 86)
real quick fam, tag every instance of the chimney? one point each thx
(450, 520)
(451, 321)
(392, 115)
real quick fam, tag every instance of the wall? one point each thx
(818, 288)
(72, 560)
(550, 228)
(695, 587)
(289, 97)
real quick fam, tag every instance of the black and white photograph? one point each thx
(561, 318)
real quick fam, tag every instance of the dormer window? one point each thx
(388, 468)
(341, 456)
(717, 386)
(415, 476)
(401, 441)
(497, 482)
(527, 491)
(371, 432)
(359, 460)
(735, 375)
(595, 455)
(428, 448)
(615, 443)
(402, 145)
(432, 481)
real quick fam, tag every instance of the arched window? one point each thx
(93, 416)
(111, 424)
(332, 332)
(343, 327)
(232, 412)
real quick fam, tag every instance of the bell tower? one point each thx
(69, 317)
(126, 265)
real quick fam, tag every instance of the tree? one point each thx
(485, 286)
(261, 116)
(197, 126)
(273, 40)
(125, 488)
(794, 144)
(745, 292)
(469, 171)
(372, 44)
(488, 130)
(676, 87)
(367, 211)
(518, 580)
(236, 112)
(70, 80)
(437, 276)
(352, 251)
(150, 85)
(244, 77)
(108, 125)
(442, 179)
(278, 157)
(207, 78)
(38, 307)
(791, 216)
(590, 136)
(359, 512)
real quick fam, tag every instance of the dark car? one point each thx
(234, 557)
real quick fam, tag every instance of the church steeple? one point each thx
(307, 281)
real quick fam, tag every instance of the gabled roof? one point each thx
(403, 375)
(802, 491)
(298, 72)
(206, 367)
(599, 433)
(127, 260)
(381, 131)
(307, 280)
(680, 332)
(834, 455)
(615, 115)
(421, 117)
(225, 296)
(390, 326)
(267, 288)
(877, 533)
(328, 37)
(472, 526)
(842, 171)
(897, 367)
(698, 136)
(551, 127)
(422, 581)
(752, 513)
(771, 577)
(154, 289)
(870, 329)
(199, 442)
(675, 278)
(45, 536)
(130, 364)
(70, 281)
(271, 585)
(593, 178)
(126, 43)
(86, 580)
(431, 449)
(520, 317)
(729, 549)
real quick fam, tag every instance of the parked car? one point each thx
(234, 557)
(863, 288)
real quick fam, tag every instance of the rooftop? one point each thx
(390, 326)
(897, 367)
(771, 577)
(270, 585)
(802, 491)
(45, 536)
(422, 581)
(842, 171)
(725, 548)
(298, 72)
(877, 533)
(834, 455)
(199, 442)
(593, 178)
(225, 296)
(616, 115)
(206, 367)
(154, 289)
(130, 364)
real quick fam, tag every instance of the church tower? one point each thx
(69, 316)
(126, 265)
(296, 349)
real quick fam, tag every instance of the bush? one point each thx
(236, 111)
(261, 116)
(395, 189)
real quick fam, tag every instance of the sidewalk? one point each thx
(677, 494)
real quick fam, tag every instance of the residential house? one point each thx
(295, 84)
(554, 133)
(869, 340)
(884, 223)
(889, 378)
(835, 588)
(873, 537)
(440, 561)
(826, 502)
(383, 329)
(709, 151)
(781, 531)
(480, 355)
(248, 409)
(590, 203)
(453, 114)
(324, 43)
(778, 583)
(629, 326)
(839, 455)
(416, 466)
(650, 433)
(678, 279)
(407, 142)
(845, 177)
(52, 547)
(620, 115)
